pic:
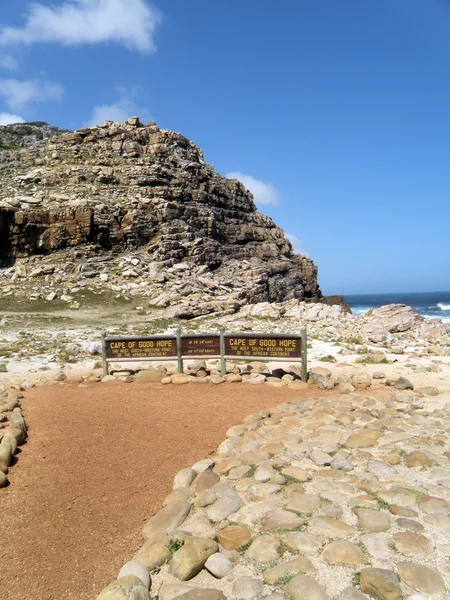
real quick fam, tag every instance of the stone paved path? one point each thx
(344, 497)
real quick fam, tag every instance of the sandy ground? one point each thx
(99, 460)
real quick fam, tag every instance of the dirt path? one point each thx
(98, 462)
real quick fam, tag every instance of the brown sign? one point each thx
(141, 348)
(207, 345)
(263, 346)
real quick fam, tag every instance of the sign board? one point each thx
(140, 348)
(200, 345)
(237, 346)
(263, 346)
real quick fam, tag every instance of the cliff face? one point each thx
(126, 188)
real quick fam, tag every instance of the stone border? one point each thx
(13, 432)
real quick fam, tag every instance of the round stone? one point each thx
(342, 552)
(340, 464)
(180, 379)
(421, 578)
(302, 542)
(372, 521)
(433, 505)
(264, 549)
(264, 473)
(304, 587)
(184, 478)
(218, 565)
(398, 496)
(417, 459)
(136, 568)
(233, 537)
(304, 503)
(381, 583)
(331, 528)
(191, 557)
(412, 543)
(403, 384)
(246, 588)
(378, 375)
(280, 519)
(128, 586)
(409, 524)
(401, 511)
(288, 569)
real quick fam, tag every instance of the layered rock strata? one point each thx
(131, 189)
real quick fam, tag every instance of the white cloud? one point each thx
(8, 62)
(296, 244)
(121, 110)
(18, 94)
(263, 193)
(7, 119)
(74, 22)
(109, 112)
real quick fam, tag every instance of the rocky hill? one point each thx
(19, 135)
(135, 209)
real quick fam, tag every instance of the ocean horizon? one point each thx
(431, 305)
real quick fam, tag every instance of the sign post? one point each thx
(104, 361)
(223, 362)
(304, 357)
(179, 352)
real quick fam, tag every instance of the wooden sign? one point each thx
(263, 346)
(204, 345)
(238, 346)
(145, 348)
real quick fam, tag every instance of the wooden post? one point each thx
(304, 356)
(179, 352)
(223, 362)
(105, 363)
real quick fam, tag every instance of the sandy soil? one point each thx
(99, 460)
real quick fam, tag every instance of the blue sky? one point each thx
(335, 114)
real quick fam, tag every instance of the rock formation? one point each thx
(21, 135)
(90, 201)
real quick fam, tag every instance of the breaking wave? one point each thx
(431, 305)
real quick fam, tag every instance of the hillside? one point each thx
(134, 209)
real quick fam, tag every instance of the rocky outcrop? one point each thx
(391, 318)
(123, 188)
(20, 135)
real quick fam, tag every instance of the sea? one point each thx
(430, 305)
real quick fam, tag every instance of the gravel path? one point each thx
(98, 462)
